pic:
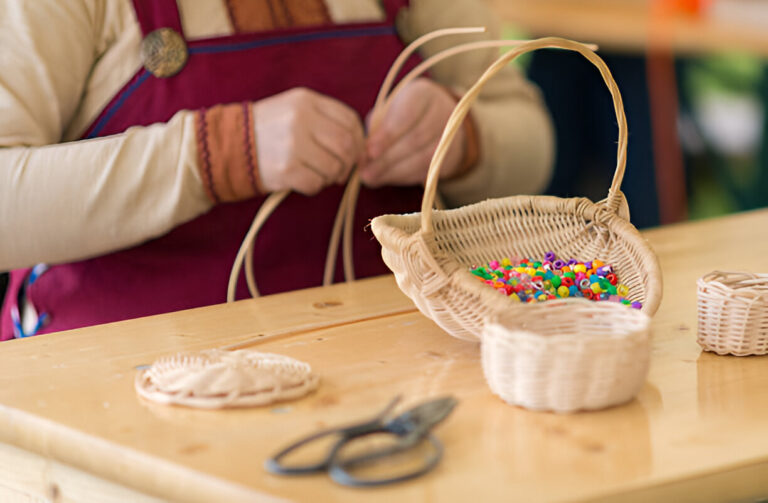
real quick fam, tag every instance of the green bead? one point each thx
(626, 302)
(556, 281)
(611, 289)
(571, 275)
(537, 264)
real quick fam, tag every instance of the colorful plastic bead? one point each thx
(530, 280)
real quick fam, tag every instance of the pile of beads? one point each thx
(528, 280)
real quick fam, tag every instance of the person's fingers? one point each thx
(345, 117)
(339, 143)
(330, 165)
(404, 114)
(408, 170)
(306, 179)
(420, 139)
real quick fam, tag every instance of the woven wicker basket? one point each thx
(430, 252)
(733, 313)
(566, 356)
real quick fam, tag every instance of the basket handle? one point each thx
(462, 109)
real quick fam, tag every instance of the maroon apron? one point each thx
(189, 267)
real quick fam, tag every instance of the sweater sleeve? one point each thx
(515, 151)
(61, 202)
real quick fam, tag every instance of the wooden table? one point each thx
(73, 429)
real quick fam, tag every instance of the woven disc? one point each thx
(214, 379)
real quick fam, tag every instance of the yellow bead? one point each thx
(566, 269)
(579, 268)
(563, 291)
(542, 297)
(530, 271)
(514, 297)
(595, 287)
(622, 290)
(505, 262)
(520, 270)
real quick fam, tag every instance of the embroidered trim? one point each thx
(302, 37)
(111, 109)
(286, 14)
(227, 152)
(232, 18)
(250, 147)
(204, 154)
(273, 14)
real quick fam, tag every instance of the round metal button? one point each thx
(164, 52)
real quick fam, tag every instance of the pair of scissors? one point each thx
(410, 429)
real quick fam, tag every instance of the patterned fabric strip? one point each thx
(226, 152)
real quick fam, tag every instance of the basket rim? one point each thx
(583, 206)
(628, 323)
(721, 280)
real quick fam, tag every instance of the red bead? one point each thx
(567, 281)
(611, 279)
(588, 294)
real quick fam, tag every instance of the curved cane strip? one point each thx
(383, 101)
(346, 210)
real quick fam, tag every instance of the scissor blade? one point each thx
(421, 419)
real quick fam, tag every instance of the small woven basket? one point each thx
(733, 313)
(430, 252)
(566, 356)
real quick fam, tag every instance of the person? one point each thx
(141, 137)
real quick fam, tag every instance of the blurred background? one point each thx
(694, 80)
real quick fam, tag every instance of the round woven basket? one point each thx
(566, 356)
(431, 252)
(733, 313)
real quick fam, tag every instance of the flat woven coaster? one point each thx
(215, 379)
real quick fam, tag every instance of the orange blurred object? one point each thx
(693, 7)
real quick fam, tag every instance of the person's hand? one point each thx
(306, 141)
(401, 146)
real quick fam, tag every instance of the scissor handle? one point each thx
(275, 465)
(374, 425)
(339, 468)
